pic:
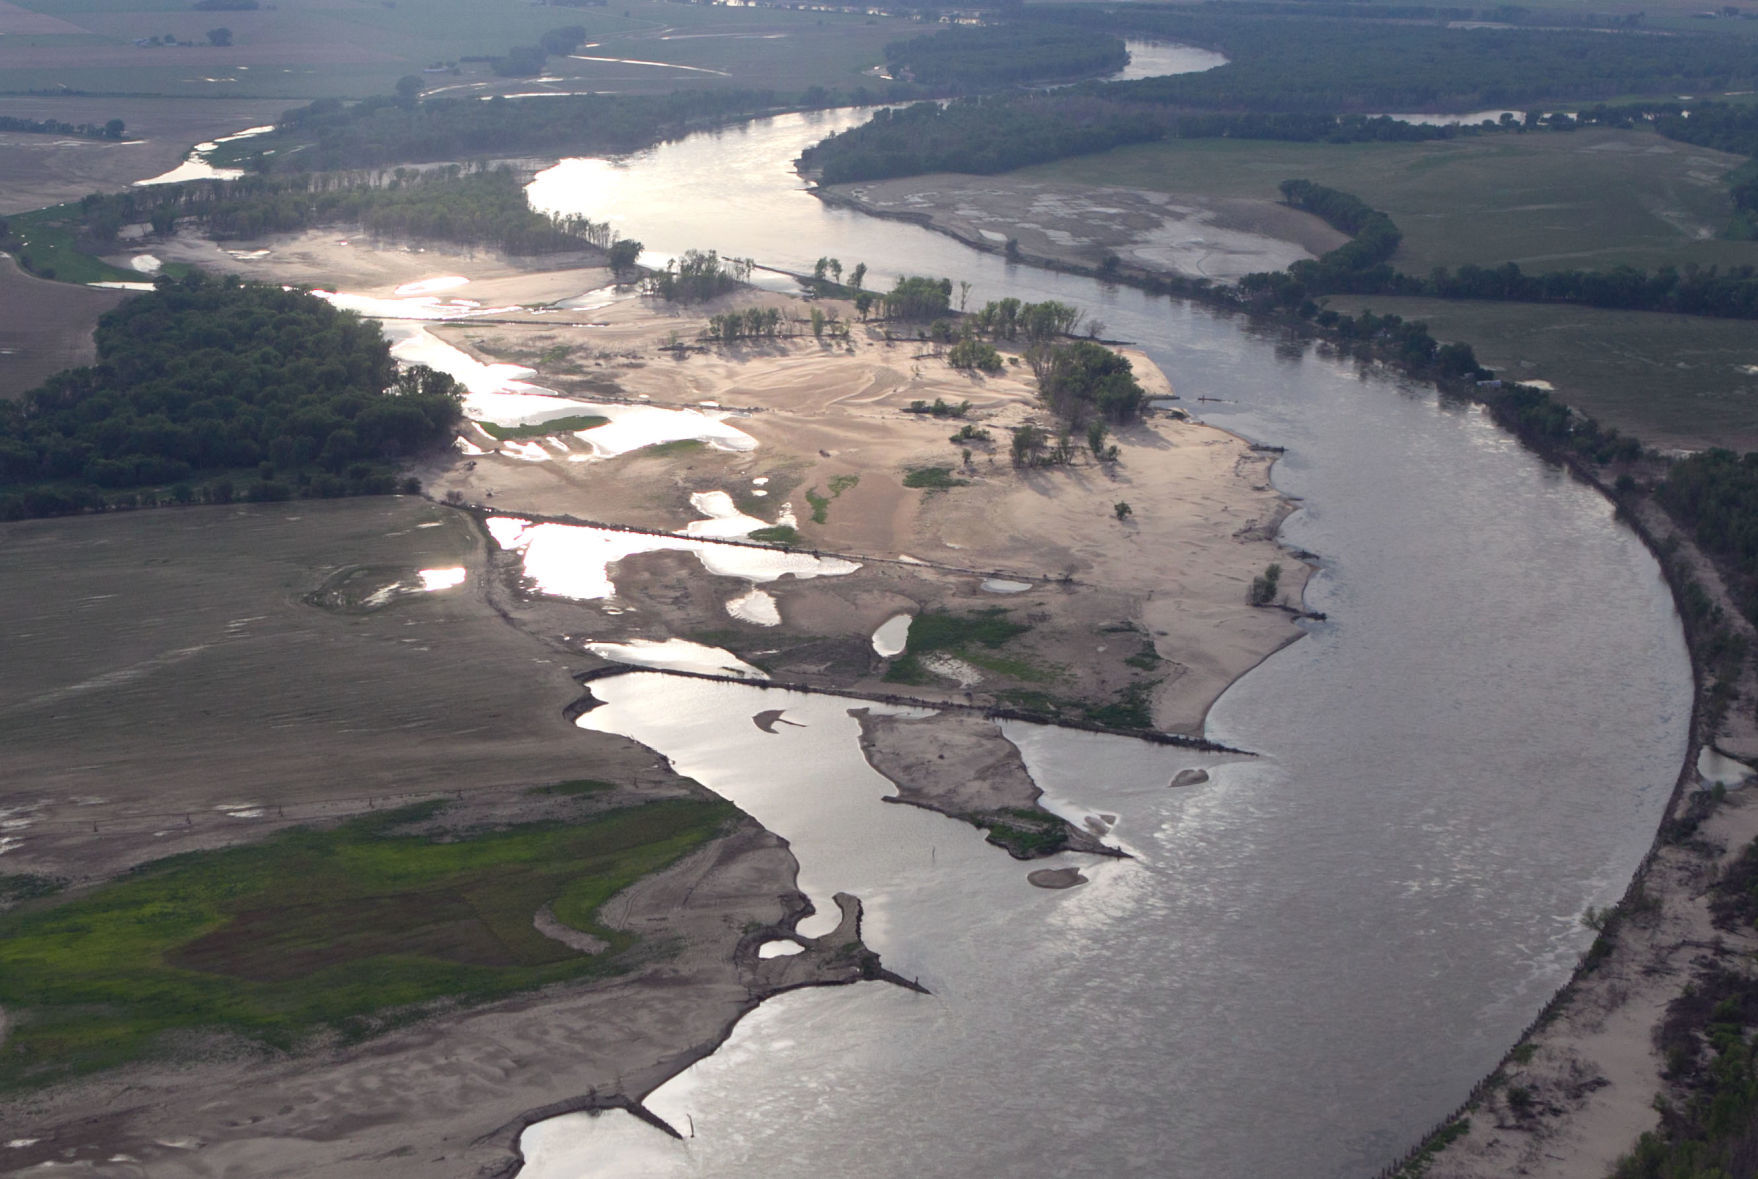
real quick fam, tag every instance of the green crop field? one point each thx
(1671, 380)
(359, 47)
(1549, 201)
(320, 928)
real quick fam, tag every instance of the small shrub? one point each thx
(1265, 586)
(933, 479)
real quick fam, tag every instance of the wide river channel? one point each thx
(1316, 953)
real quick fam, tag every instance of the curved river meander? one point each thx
(1316, 953)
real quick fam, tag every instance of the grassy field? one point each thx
(47, 247)
(1671, 380)
(360, 47)
(319, 928)
(1582, 200)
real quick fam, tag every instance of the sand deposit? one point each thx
(1219, 238)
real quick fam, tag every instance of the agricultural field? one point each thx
(355, 48)
(1674, 381)
(206, 661)
(1583, 200)
(44, 327)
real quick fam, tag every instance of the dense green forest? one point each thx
(987, 56)
(474, 208)
(328, 135)
(214, 389)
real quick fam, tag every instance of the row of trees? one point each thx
(111, 130)
(979, 135)
(1010, 319)
(697, 276)
(329, 135)
(1361, 266)
(526, 61)
(482, 207)
(210, 381)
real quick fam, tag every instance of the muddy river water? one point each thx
(1317, 951)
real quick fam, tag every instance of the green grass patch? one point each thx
(577, 786)
(19, 887)
(776, 534)
(820, 505)
(820, 502)
(309, 929)
(47, 246)
(944, 630)
(567, 425)
(1025, 832)
(907, 669)
(1146, 659)
(963, 635)
(1013, 668)
(672, 449)
(933, 479)
(1130, 709)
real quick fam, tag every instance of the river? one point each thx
(1315, 954)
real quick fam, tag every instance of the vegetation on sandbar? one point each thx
(351, 928)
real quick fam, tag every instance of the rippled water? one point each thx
(1318, 951)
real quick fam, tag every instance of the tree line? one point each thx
(481, 207)
(110, 130)
(1360, 266)
(1504, 14)
(213, 389)
(998, 133)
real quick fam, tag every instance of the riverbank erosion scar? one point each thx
(961, 766)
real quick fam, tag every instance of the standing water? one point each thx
(1316, 953)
